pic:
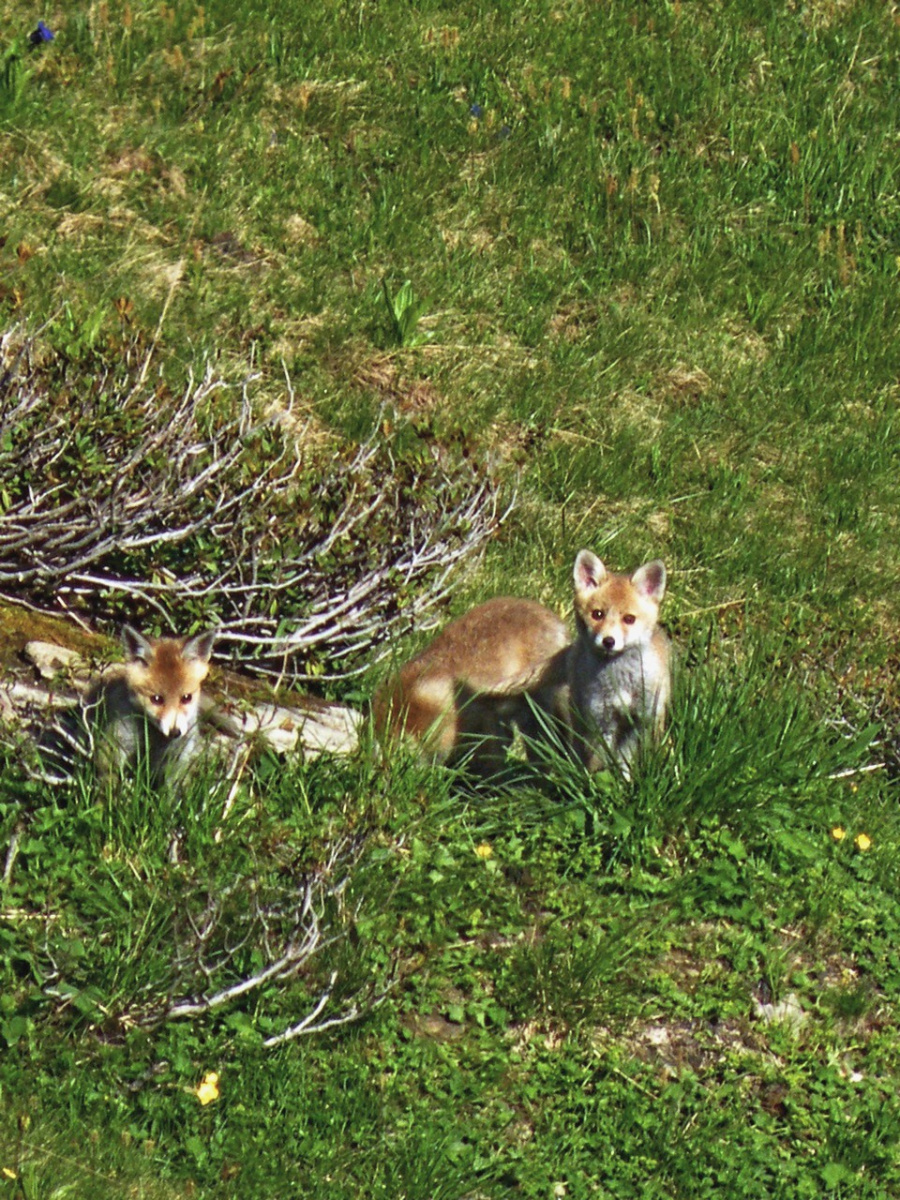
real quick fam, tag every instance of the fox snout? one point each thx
(174, 724)
(611, 639)
(172, 716)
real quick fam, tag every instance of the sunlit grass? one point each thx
(653, 283)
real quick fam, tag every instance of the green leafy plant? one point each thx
(406, 311)
(14, 76)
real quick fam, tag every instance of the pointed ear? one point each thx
(199, 647)
(589, 571)
(137, 648)
(650, 580)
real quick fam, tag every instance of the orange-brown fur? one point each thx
(465, 690)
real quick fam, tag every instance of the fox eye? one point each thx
(628, 619)
(186, 698)
(598, 614)
(156, 700)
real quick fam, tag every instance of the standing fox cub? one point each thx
(460, 696)
(147, 710)
(618, 665)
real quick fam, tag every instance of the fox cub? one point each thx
(461, 695)
(139, 715)
(618, 665)
(148, 709)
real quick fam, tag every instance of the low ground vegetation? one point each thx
(634, 267)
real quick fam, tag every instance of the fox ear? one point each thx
(589, 571)
(199, 647)
(650, 580)
(137, 648)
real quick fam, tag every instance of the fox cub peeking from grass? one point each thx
(144, 714)
(618, 665)
(460, 697)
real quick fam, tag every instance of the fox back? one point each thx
(466, 689)
(150, 706)
(618, 670)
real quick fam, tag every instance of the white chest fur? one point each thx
(615, 697)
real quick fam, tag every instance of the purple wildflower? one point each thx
(41, 34)
(476, 110)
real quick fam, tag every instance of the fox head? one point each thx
(617, 611)
(165, 675)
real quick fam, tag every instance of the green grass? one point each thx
(652, 281)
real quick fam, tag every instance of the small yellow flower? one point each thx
(862, 841)
(485, 850)
(839, 833)
(208, 1090)
(8, 1173)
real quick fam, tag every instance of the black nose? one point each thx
(609, 643)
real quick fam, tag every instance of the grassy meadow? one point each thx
(640, 264)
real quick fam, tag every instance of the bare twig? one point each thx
(239, 765)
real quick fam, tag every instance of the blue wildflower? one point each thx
(41, 34)
(476, 110)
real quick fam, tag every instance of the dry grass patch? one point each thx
(381, 375)
(300, 232)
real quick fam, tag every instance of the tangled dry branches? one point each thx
(122, 499)
(240, 947)
(280, 931)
